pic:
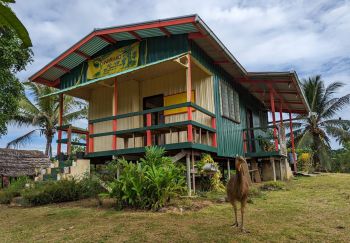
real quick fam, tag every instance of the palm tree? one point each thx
(315, 130)
(43, 113)
(9, 19)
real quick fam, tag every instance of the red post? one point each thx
(292, 141)
(69, 140)
(148, 132)
(60, 122)
(91, 140)
(213, 125)
(244, 142)
(272, 101)
(281, 116)
(115, 112)
(189, 94)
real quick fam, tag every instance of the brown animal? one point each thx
(238, 188)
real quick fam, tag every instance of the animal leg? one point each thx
(243, 203)
(235, 224)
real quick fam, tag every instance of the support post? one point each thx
(188, 99)
(91, 140)
(69, 140)
(272, 101)
(115, 112)
(148, 131)
(281, 114)
(213, 125)
(272, 160)
(228, 169)
(292, 141)
(244, 141)
(60, 122)
(188, 174)
(193, 174)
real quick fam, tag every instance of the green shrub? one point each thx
(13, 190)
(61, 191)
(273, 186)
(147, 184)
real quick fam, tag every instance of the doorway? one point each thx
(250, 126)
(156, 117)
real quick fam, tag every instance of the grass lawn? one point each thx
(310, 209)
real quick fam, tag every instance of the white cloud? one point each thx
(311, 37)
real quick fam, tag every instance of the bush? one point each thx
(150, 183)
(214, 183)
(273, 186)
(61, 191)
(13, 190)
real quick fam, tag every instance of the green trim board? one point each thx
(185, 145)
(114, 75)
(154, 128)
(158, 109)
(263, 154)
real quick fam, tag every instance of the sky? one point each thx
(311, 37)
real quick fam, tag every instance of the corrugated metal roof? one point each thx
(93, 46)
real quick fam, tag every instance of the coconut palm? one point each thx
(315, 130)
(43, 114)
(9, 19)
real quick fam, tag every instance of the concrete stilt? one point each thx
(228, 169)
(188, 173)
(272, 160)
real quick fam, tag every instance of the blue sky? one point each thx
(311, 37)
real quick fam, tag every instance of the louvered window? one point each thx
(229, 102)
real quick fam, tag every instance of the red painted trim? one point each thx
(287, 102)
(165, 31)
(64, 69)
(115, 112)
(47, 82)
(213, 125)
(82, 54)
(133, 33)
(91, 140)
(60, 122)
(280, 92)
(263, 81)
(148, 132)
(292, 141)
(273, 118)
(196, 35)
(109, 31)
(107, 39)
(188, 99)
(281, 114)
(244, 141)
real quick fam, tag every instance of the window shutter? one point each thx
(224, 99)
(236, 104)
(231, 104)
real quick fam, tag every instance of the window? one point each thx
(229, 102)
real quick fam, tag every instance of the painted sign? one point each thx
(177, 99)
(113, 62)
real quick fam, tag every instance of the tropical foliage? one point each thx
(149, 183)
(13, 58)
(315, 131)
(215, 184)
(9, 20)
(341, 159)
(43, 113)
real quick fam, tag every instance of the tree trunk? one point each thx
(48, 151)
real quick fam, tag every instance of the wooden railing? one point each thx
(70, 130)
(151, 129)
(260, 140)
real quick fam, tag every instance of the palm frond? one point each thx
(304, 140)
(22, 140)
(335, 106)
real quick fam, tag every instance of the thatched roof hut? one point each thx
(14, 163)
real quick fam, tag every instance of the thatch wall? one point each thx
(16, 163)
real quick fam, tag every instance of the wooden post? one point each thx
(213, 125)
(228, 169)
(148, 132)
(188, 99)
(115, 112)
(272, 160)
(60, 122)
(193, 174)
(272, 101)
(69, 140)
(188, 173)
(281, 114)
(244, 141)
(292, 141)
(91, 140)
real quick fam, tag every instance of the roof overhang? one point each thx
(284, 86)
